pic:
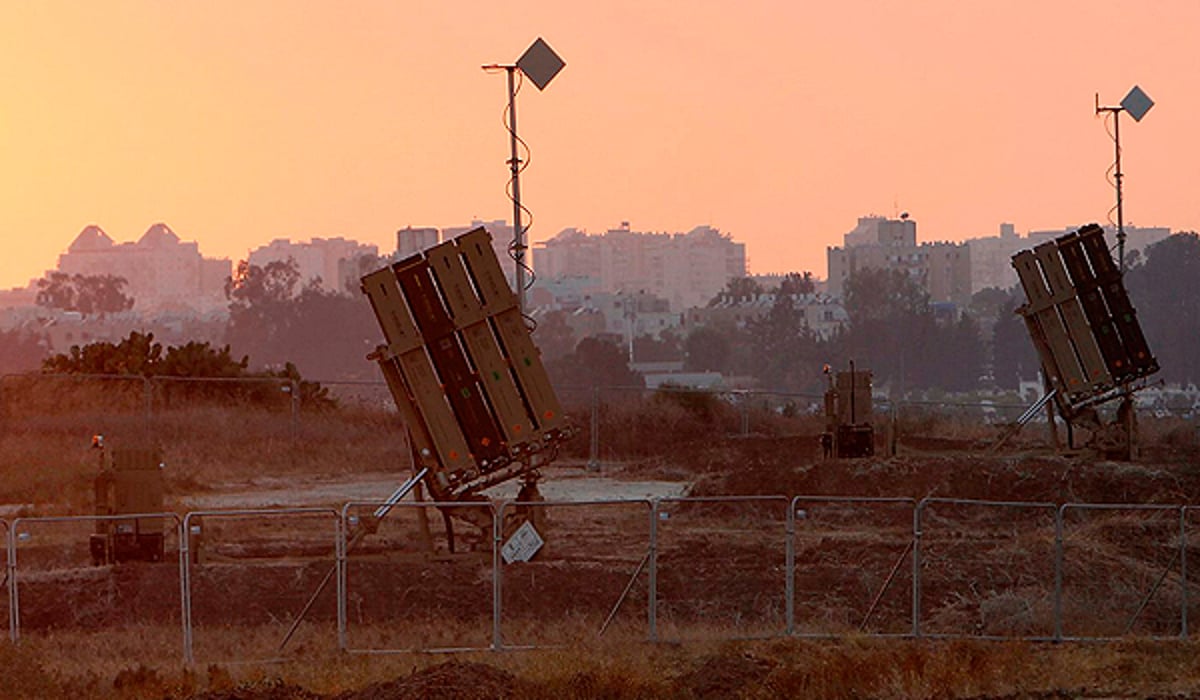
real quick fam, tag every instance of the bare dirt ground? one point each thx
(560, 483)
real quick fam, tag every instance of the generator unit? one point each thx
(463, 370)
(849, 432)
(129, 481)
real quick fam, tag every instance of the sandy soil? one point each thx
(558, 484)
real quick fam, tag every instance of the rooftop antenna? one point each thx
(1136, 104)
(540, 64)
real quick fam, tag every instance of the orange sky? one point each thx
(239, 121)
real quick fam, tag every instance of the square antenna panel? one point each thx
(540, 64)
(1137, 103)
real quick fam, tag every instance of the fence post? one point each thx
(1183, 579)
(14, 601)
(790, 563)
(894, 437)
(652, 597)
(1058, 573)
(593, 463)
(497, 585)
(294, 387)
(185, 586)
(916, 577)
(340, 546)
(10, 545)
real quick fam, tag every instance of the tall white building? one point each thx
(502, 236)
(942, 269)
(161, 271)
(410, 241)
(686, 269)
(319, 258)
(991, 258)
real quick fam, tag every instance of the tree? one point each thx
(797, 283)
(1163, 291)
(275, 320)
(136, 354)
(21, 350)
(260, 300)
(1013, 355)
(554, 338)
(988, 302)
(882, 295)
(785, 346)
(738, 289)
(956, 359)
(594, 362)
(665, 348)
(139, 354)
(707, 349)
(327, 335)
(196, 359)
(891, 326)
(87, 294)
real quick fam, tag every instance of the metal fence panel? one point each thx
(250, 575)
(403, 590)
(720, 567)
(55, 583)
(852, 571)
(589, 579)
(1189, 600)
(1121, 571)
(9, 580)
(987, 569)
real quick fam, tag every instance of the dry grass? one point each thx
(131, 664)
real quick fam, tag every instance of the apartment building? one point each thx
(162, 272)
(318, 259)
(943, 269)
(686, 269)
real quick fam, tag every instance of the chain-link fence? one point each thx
(984, 569)
(1121, 571)
(9, 578)
(289, 582)
(60, 577)
(851, 569)
(720, 567)
(259, 572)
(401, 587)
(585, 581)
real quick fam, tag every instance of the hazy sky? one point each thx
(236, 122)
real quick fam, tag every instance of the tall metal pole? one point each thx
(514, 164)
(1120, 210)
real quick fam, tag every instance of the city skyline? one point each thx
(779, 124)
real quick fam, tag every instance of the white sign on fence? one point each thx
(523, 544)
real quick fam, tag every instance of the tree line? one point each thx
(893, 329)
(909, 343)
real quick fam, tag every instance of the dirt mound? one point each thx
(273, 689)
(453, 680)
(725, 675)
